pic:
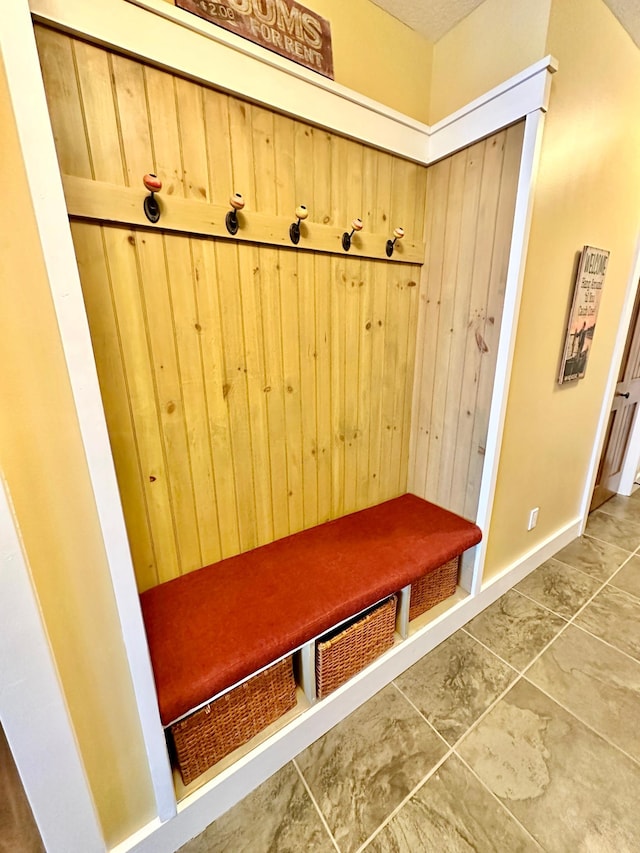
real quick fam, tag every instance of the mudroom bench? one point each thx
(340, 591)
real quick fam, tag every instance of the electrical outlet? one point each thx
(533, 518)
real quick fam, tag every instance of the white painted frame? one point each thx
(632, 458)
(32, 709)
(520, 96)
(172, 38)
(631, 464)
(531, 149)
(147, 29)
(165, 35)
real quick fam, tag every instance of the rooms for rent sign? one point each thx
(283, 26)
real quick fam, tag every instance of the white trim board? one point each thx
(33, 712)
(530, 158)
(171, 38)
(207, 804)
(176, 40)
(519, 96)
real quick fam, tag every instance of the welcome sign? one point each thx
(284, 26)
(584, 313)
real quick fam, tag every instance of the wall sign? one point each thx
(284, 26)
(584, 313)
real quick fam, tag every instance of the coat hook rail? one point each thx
(104, 202)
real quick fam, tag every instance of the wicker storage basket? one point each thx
(433, 588)
(346, 651)
(214, 731)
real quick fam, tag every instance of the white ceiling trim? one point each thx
(213, 56)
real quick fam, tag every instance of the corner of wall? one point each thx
(496, 41)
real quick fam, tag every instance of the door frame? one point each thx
(610, 389)
(631, 462)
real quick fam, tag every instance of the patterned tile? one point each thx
(617, 531)
(453, 812)
(277, 816)
(598, 684)
(595, 558)
(362, 769)
(455, 683)
(628, 578)
(614, 617)
(564, 783)
(559, 587)
(515, 628)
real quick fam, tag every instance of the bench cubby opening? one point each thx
(329, 601)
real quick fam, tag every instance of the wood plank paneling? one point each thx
(216, 390)
(57, 59)
(488, 328)
(116, 394)
(250, 391)
(469, 221)
(119, 205)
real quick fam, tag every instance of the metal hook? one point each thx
(398, 234)
(151, 205)
(294, 229)
(237, 203)
(356, 225)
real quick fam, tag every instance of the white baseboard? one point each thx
(529, 561)
(211, 801)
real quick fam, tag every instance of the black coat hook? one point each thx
(237, 203)
(398, 234)
(151, 205)
(356, 225)
(294, 230)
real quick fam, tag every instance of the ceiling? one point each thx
(434, 18)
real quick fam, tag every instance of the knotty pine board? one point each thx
(250, 391)
(471, 201)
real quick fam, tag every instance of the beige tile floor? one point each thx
(518, 733)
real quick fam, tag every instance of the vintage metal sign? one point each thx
(584, 313)
(284, 26)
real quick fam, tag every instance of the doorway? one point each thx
(18, 830)
(622, 415)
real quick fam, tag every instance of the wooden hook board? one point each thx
(87, 199)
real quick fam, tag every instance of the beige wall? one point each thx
(377, 55)
(42, 459)
(496, 41)
(588, 192)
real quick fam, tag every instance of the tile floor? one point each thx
(518, 733)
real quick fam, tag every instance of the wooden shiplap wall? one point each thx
(471, 202)
(249, 392)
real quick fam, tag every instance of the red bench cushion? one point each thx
(215, 626)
